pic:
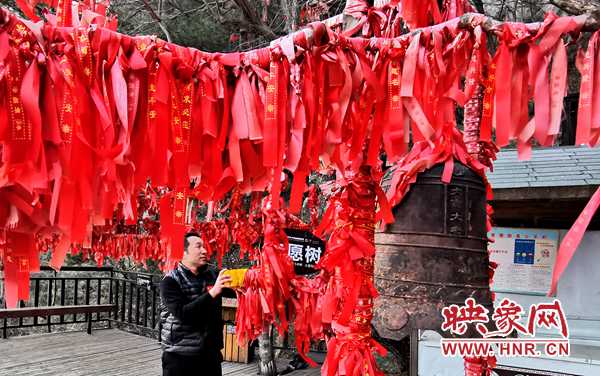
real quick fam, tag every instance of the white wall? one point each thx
(579, 288)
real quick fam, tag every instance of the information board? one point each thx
(525, 259)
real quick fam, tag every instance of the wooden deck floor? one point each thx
(106, 352)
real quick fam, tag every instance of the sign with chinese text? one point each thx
(509, 318)
(525, 259)
(517, 371)
(304, 249)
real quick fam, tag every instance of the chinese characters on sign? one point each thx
(304, 249)
(509, 318)
(525, 259)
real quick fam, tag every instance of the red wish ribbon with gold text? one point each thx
(588, 116)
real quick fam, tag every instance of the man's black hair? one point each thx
(186, 242)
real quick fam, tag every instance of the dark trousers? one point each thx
(174, 364)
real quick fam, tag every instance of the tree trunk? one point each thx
(289, 10)
(471, 122)
(266, 363)
(294, 14)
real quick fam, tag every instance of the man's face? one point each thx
(195, 252)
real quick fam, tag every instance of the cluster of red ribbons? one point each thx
(245, 226)
(424, 13)
(307, 307)
(140, 248)
(520, 67)
(215, 235)
(272, 293)
(339, 301)
(588, 117)
(91, 11)
(347, 270)
(177, 217)
(479, 366)
(18, 261)
(87, 115)
(267, 285)
(136, 237)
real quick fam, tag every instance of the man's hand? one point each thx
(222, 281)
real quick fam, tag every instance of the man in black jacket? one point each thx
(192, 326)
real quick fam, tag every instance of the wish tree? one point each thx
(88, 116)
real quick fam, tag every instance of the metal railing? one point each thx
(137, 297)
(135, 294)
(50, 289)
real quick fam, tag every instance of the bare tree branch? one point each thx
(285, 6)
(187, 12)
(253, 20)
(212, 7)
(157, 18)
(134, 13)
(577, 7)
(478, 4)
(142, 26)
(490, 24)
(239, 24)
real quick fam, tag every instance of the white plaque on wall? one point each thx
(525, 259)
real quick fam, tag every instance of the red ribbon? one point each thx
(588, 130)
(267, 286)
(20, 258)
(480, 366)
(571, 241)
(64, 13)
(129, 106)
(395, 133)
(173, 214)
(420, 13)
(503, 80)
(548, 102)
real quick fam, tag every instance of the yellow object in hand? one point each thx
(237, 277)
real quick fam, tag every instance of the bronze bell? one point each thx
(433, 255)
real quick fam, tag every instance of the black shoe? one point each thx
(286, 370)
(298, 362)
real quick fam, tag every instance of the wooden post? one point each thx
(266, 363)
(414, 352)
(89, 323)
